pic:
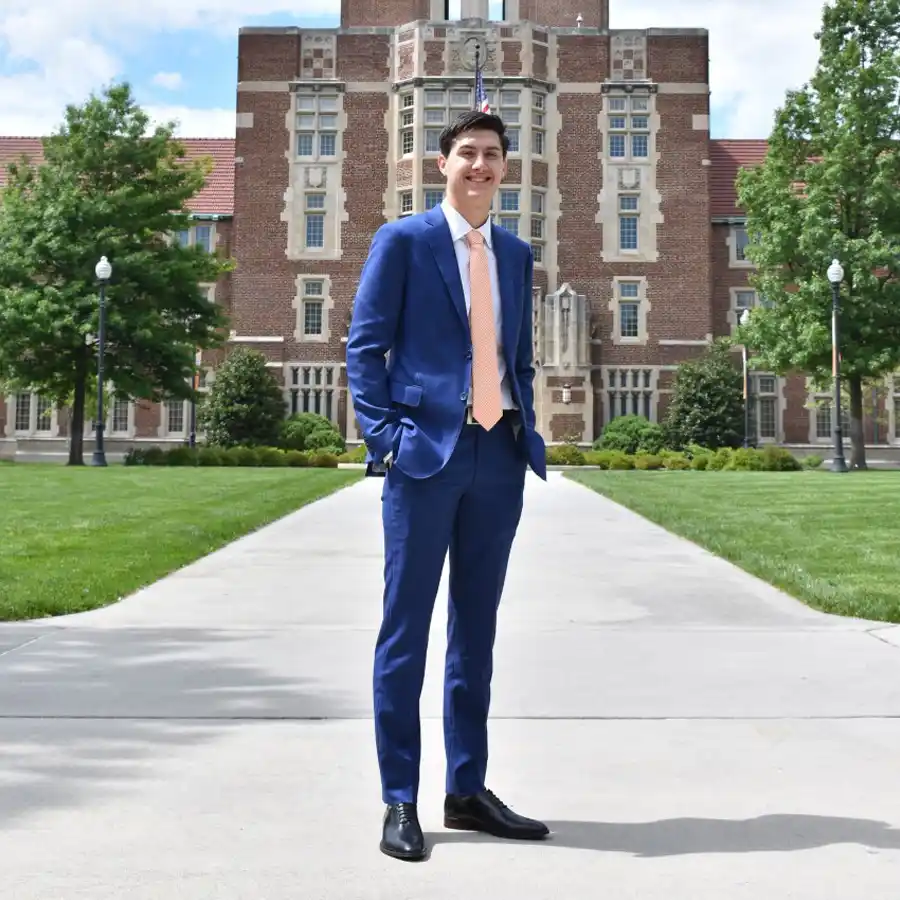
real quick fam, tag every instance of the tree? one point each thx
(707, 406)
(244, 404)
(108, 186)
(830, 188)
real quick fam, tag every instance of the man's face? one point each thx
(475, 166)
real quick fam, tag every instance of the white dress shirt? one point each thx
(459, 228)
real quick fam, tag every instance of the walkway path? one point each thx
(684, 728)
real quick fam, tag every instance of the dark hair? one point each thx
(473, 121)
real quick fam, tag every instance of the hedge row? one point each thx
(768, 459)
(264, 457)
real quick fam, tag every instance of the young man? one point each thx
(449, 419)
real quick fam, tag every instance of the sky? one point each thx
(180, 56)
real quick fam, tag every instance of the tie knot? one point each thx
(475, 238)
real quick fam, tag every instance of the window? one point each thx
(317, 126)
(197, 236)
(32, 414)
(740, 244)
(315, 221)
(628, 232)
(406, 203)
(628, 127)
(629, 308)
(822, 414)
(538, 135)
(507, 205)
(433, 197)
(313, 308)
(538, 226)
(118, 415)
(23, 412)
(407, 124)
(313, 388)
(175, 416)
(764, 407)
(630, 392)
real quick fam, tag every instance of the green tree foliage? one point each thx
(707, 406)
(108, 186)
(830, 188)
(244, 405)
(630, 434)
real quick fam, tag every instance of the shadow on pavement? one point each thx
(781, 833)
(84, 711)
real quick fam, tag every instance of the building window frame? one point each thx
(316, 126)
(629, 295)
(313, 290)
(627, 128)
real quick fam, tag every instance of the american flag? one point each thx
(481, 100)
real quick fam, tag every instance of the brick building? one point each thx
(613, 178)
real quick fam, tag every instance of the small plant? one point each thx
(629, 434)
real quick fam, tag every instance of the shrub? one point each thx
(565, 455)
(310, 431)
(701, 462)
(297, 459)
(599, 458)
(244, 405)
(243, 456)
(647, 461)
(322, 459)
(629, 434)
(813, 461)
(356, 455)
(621, 461)
(673, 461)
(719, 460)
(270, 457)
(181, 456)
(707, 405)
(211, 456)
(777, 459)
(745, 459)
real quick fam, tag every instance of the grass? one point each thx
(74, 539)
(829, 540)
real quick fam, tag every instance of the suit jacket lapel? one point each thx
(441, 242)
(509, 290)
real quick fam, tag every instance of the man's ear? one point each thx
(442, 163)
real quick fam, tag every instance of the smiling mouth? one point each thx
(479, 179)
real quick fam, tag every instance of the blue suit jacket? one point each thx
(410, 302)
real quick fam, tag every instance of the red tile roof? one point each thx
(727, 157)
(216, 197)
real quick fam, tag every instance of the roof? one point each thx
(216, 197)
(727, 157)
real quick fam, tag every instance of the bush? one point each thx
(707, 405)
(647, 461)
(322, 459)
(270, 457)
(719, 460)
(243, 456)
(745, 459)
(777, 459)
(310, 431)
(244, 405)
(297, 459)
(620, 461)
(211, 456)
(813, 461)
(599, 458)
(356, 455)
(629, 434)
(565, 455)
(676, 461)
(181, 456)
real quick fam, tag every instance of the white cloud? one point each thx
(58, 51)
(171, 81)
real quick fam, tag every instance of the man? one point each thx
(449, 419)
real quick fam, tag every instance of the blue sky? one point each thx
(181, 55)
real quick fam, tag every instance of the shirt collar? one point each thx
(459, 227)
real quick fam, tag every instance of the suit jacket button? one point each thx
(463, 396)
(469, 355)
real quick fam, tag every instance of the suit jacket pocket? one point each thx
(407, 394)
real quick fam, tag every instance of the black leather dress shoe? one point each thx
(485, 812)
(402, 835)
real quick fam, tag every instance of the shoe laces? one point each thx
(496, 799)
(404, 813)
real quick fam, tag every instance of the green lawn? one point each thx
(830, 540)
(76, 539)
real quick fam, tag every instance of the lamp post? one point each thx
(836, 276)
(745, 318)
(103, 271)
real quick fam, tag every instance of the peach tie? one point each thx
(487, 405)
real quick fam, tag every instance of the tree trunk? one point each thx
(76, 420)
(857, 434)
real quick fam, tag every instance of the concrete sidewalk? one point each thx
(685, 729)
